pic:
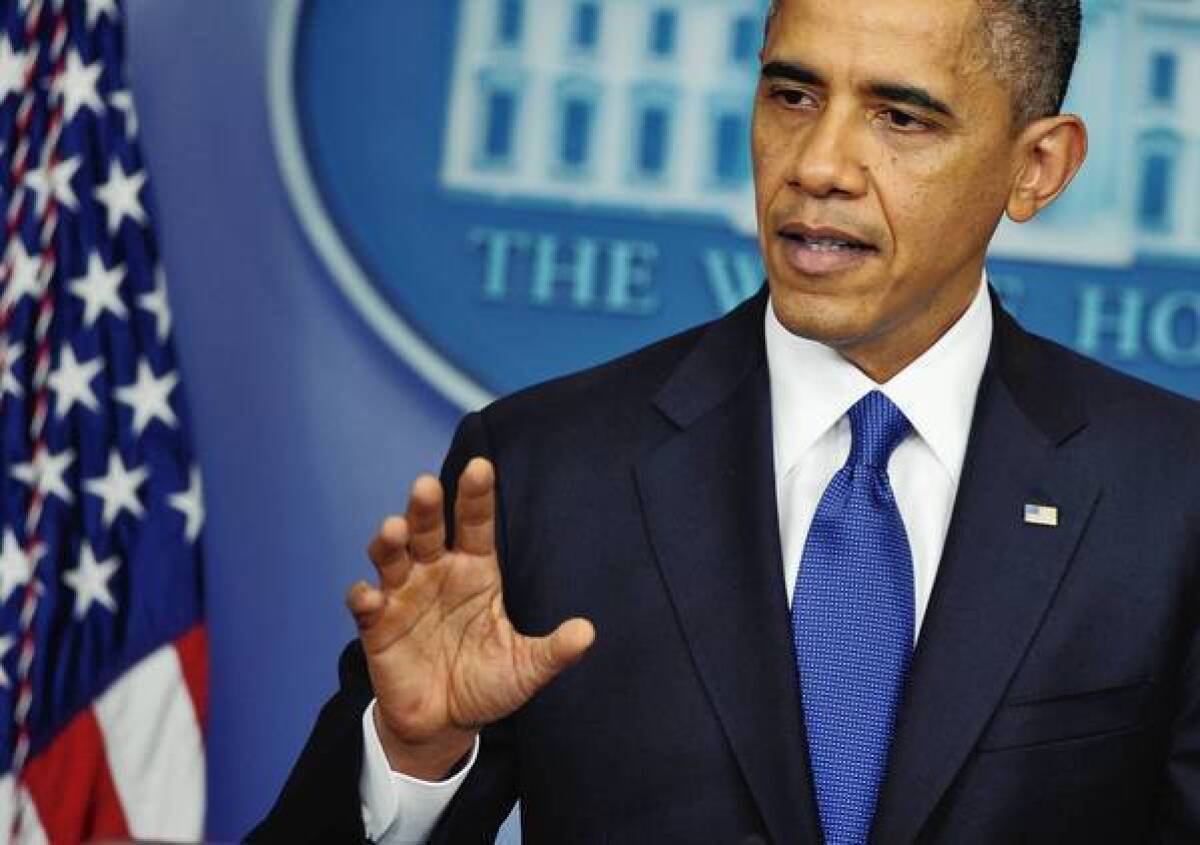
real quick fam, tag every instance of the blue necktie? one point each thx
(852, 623)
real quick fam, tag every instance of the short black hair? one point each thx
(1032, 45)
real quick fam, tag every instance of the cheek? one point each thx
(771, 152)
(937, 207)
(764, 156)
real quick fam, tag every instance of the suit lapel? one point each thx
(708, 495)
(997, 577)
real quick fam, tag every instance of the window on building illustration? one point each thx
(577, 118)
(1163, 69)
(501, 113)
(509, 19)
(662, 32)
(1154, 209)
(586, 32)
(652, 141)
(743, 46)
(732, 153)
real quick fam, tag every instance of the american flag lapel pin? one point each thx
(1046, 515)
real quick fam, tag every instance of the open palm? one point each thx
(443, 657)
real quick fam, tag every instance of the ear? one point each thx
(1050, 152)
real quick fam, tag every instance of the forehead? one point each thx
(934, 42)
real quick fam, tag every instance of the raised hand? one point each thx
(444, 658)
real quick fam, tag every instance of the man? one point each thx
(749, 525)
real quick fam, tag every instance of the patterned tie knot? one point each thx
(877, 427)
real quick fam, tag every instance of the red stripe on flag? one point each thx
(193, 657)
(72, 787)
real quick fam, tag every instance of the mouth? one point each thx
(815, 251)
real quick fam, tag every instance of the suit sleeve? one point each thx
(320, 801)
(1180, 821)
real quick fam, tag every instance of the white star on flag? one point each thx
(16, 568)
(149, 397)
(156, 303)
(100, 290)
(120, 195)
(14, 65)
(6, 644)
(72, 382)
(46, 473)
(190, 503)
(8, 379)
(23, 278)
(54, 178)
(90, 580)
(118, 489)
(96, 8)
(122, 101)
(77, 84)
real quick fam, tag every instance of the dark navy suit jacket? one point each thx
(1055, 690)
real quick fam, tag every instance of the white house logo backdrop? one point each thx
(513, 189)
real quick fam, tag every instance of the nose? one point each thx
(827, 160)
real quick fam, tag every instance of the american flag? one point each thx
(103, 667)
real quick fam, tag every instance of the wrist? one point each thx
(433, 759)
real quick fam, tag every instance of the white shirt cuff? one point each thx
(398, 809)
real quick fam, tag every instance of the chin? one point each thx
(830, 320)
(836, 334)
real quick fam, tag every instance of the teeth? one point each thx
(826, 245)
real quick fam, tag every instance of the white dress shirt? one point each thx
(398, 809)
(812, 388)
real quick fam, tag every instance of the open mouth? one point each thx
(823, 251)
(824, 241)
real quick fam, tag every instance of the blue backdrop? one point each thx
(307, 428)
(309, 425)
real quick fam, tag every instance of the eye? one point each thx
(792, 98)
(904, 121)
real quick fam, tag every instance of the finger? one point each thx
(426, 520)
(560, 649)
(570, 641)
(366, 605)
(389, 552)
(475, 509)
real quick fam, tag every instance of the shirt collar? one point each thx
(812, 387)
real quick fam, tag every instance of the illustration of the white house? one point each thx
(645, 105)
(623, 103)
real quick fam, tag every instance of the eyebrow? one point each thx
(897, 92)
(793, 71)
(910, 94)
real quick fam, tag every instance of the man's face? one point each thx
(883, 156)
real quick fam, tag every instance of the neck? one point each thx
(883, 357)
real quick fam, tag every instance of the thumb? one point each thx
(561, 648)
